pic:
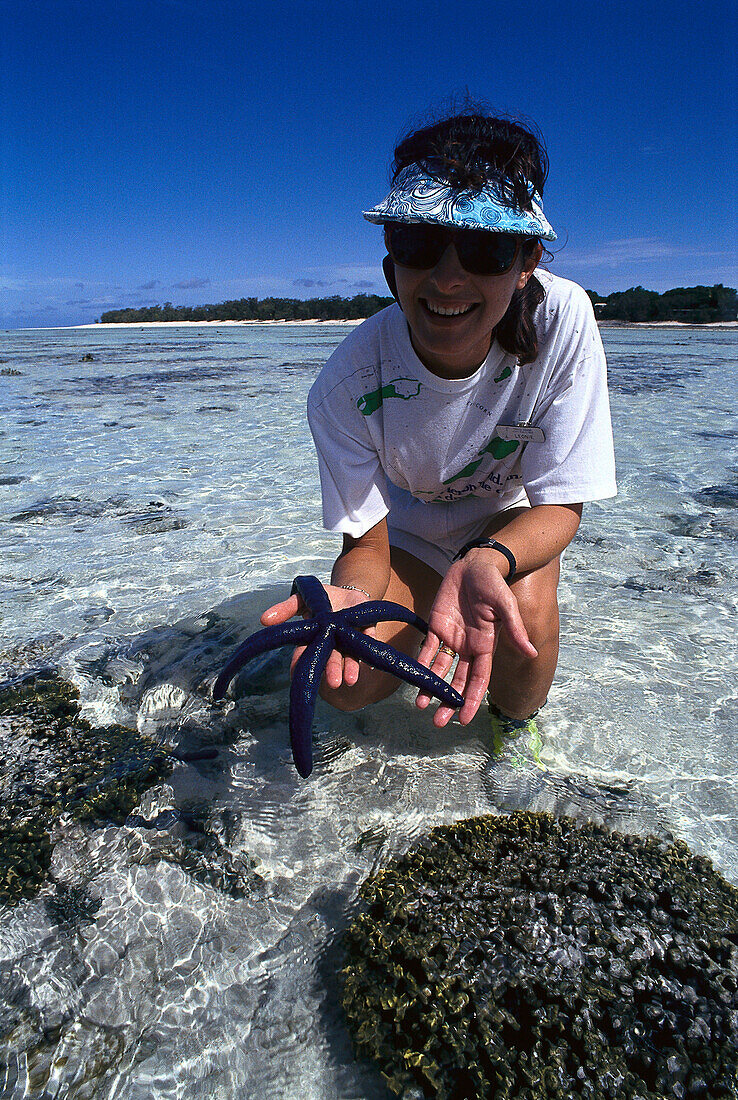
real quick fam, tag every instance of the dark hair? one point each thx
(471, 149)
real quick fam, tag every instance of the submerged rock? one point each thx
(526, 957)
(53, 761)
(719, 496)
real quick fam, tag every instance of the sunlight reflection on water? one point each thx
(152, 502)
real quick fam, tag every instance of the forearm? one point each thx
(535, 536)
(365, 562)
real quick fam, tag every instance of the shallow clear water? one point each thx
(152, 501)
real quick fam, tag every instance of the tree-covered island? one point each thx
(259, 309)
(696, 305)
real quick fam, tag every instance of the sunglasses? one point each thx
(480, 252)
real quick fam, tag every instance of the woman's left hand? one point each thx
(472, 606)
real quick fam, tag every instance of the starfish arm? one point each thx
(313, 593)
(303, 697)
(387, 659)
(376, 611)
(295, 632)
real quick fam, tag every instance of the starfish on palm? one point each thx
(323, 632)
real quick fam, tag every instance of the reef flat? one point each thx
(532, 958)
(53, 761)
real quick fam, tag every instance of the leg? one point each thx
(412, 584)
(519, 686)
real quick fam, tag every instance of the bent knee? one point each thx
(537, 598)
(351, 697)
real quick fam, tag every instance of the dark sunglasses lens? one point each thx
(419, 246)
(479, 252)
(482, 253)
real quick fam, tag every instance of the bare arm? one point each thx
(365, 562)
(535, 536)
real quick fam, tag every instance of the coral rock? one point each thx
(528, 956)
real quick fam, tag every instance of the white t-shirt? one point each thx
(440, 456)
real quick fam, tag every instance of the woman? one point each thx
(460, 431)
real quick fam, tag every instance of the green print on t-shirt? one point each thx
(368, 403)
(505, 374)
(498, 448)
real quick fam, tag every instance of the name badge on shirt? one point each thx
(523, 433)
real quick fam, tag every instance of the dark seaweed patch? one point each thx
(97, 615)
(53, 761)
(718, 496)
(70, 907)
(690, 582)
(60, 508)
(634, 374)
(729, 433)
(154, 517)
(706, 525)
(148, 381)
(530, 958)
(203, 856)
(16, 660)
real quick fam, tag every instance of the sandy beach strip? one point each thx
(210, 324)
(606, 323)
(352, 323)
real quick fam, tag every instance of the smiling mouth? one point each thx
(439, 310)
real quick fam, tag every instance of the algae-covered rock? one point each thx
(533, 958)
(52, 761)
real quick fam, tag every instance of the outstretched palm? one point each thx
(472, 605)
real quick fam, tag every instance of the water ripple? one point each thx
(191, 951)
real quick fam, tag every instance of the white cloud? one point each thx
(630, 250)
(191, 284)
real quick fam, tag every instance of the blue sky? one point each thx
(197, 150)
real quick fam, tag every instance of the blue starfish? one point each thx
(325, 631)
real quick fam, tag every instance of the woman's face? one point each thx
(452, 314)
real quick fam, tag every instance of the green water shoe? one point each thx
(524, 731)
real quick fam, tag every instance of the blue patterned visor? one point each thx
(417, 197)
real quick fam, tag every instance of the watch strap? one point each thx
(490, 544)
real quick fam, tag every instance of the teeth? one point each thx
(447, 311)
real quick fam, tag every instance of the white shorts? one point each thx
(435, 533)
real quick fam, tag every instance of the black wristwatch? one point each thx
(490, 544)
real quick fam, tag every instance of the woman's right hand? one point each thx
(339, 669)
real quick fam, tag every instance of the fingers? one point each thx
(477, 678)
(296, 655)
(343, 669)
(429, 649)
(350, 671)
(471, 680)
(333, 674)
(339, 670)
(281, 612)
(439, 659)
(513, 623)
(444, 714)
